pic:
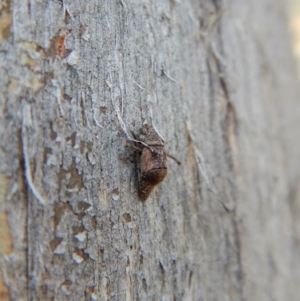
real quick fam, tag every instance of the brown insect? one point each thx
(60, 48)
(153, 160)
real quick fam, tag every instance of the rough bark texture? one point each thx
(217, 80)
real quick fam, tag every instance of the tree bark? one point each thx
(217, 81)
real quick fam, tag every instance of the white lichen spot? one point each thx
(78, 259)
(58, 139)
(60, 249)
(130, 225)
(73, 58)
(81, 236)
(12, 191)
(34, 54)
(91, 158)
(90, 208)
(110, 85)
(86, 36)
(75, 189)
(115, 197)
(51, 160)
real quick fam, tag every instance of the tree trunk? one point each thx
(217, 81)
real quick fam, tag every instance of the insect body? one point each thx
(153, 163)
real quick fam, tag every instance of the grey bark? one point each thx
(217, 80)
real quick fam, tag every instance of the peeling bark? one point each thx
(217, 81)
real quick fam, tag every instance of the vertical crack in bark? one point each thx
(221, 93)
(230, 132)
(229, 128)
(24, 189)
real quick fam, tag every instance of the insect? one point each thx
(153, 160)
(60, 48)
